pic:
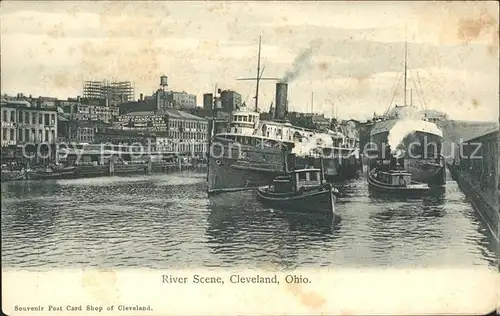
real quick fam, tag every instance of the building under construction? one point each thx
(118, 91)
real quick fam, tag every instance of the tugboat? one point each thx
(53, 172)
(389, 176)
(302, 190)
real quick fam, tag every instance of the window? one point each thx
(40, 118)
(313, 176)
(4, 116)
(244, 118)
(4, 133)
(47, 119)
(302, 176)
(21, 116)
(46, 136)
(27, 118)
(20, 134)
(12, 116)
(12, 133)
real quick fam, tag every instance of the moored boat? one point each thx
(302, 190)
(54, 172)
(249, 152)
(405, 128)
(390, 177)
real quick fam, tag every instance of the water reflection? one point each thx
(167, 221)
(275, 236)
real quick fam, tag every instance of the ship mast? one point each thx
(260, 72)
(258, 78)
(312, 102)
(406, 62)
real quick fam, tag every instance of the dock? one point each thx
(476, 170)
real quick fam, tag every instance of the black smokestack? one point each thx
(281, 107)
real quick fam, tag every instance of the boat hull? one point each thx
(412, 190)
(13, 176)
(229, 171)
(236, 167)
(317, 202)
(52, 175)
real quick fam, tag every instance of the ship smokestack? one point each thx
(281, 104)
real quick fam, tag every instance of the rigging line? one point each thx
(415, 86)
(394, 88)
(421, 88)
(398, 80)
(420, 95)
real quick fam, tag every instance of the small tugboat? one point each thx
(391, 177)
(302, 190)
(53, 172)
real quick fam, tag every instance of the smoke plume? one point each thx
(308, 145)
(399, 131)
(301, 61)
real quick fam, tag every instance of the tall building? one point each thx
(230, 100)
(184, 100)
(208, 99)
(164, 100)
(24, 123)
(87, 109)
(114, 91)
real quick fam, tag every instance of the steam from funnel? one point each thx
(301, 61)
(399, 153)
(399, 131)
(308, 145)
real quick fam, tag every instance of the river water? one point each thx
(167, 221)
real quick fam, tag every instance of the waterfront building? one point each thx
(147, 104)
(88, 109)
(184, 100)
(478, 174)
(230, 100)
(309, 120)
(79, 131)
(184, 131)
(24, 123)
(126, 137)
(208, 99)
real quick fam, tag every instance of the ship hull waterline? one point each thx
(318, 202)
(247, 168)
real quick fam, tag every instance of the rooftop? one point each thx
(170, 112)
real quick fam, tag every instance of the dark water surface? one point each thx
(167, 221)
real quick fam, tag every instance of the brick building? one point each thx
(183, 132)
(24, 123)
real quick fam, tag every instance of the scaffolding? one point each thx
(120, 91)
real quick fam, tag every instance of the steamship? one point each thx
(251, 153)
(404, 132)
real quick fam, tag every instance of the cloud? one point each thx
(50, 49)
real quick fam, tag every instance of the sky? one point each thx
(346, 58)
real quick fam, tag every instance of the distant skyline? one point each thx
(356, 51)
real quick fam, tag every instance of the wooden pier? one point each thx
(476, 168)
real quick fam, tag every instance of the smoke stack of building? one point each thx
(281, 104)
